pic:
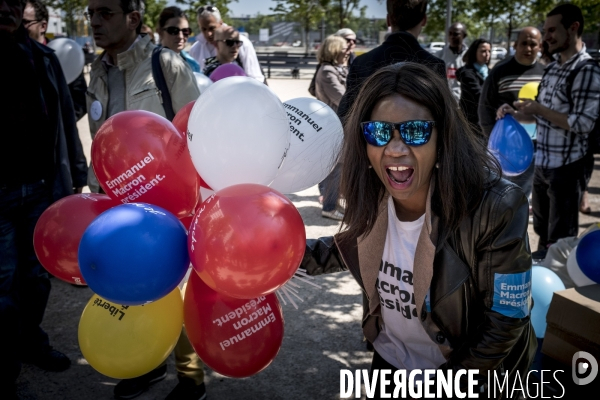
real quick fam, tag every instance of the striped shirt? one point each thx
(502, 86)
(557, 147)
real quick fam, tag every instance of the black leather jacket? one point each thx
(492, 241)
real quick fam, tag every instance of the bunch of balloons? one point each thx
(133, 246)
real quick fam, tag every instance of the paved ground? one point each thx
(322, 336)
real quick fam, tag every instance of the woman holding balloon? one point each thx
(432, 233)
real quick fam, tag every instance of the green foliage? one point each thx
(153, 10)
(306, 12)
(73, 10)
(190, 7)
(342, 12)
(503, 16)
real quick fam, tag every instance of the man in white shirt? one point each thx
(452, 54)
(209, 19)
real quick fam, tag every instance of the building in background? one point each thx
(56, 24)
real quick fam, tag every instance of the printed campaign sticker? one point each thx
(96, 110)
(512, 294)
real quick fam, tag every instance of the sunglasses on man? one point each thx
(174, 31)
(351, 41)
(413, 133)
(231, 42)
(29, 22)
(207, 8)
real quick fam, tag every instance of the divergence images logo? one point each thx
(584, 364)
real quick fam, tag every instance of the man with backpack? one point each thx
(133, 74)
(566, 111)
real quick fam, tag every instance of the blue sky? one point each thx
(251, 7)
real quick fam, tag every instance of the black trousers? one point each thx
(555, 200)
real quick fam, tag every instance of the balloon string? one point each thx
(289, 298)
(280, 297)
(293, 292)
(292, 283)
(303, 279)
(289, 287)
(304, 273)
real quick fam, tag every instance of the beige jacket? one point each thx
(140, 88)
(330, 85)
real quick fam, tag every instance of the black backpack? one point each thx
(161, 83)
(594, 135)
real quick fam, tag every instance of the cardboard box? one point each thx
(573, 323)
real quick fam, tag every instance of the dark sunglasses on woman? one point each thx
(173, 30)
(413, 133)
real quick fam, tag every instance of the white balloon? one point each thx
(238, 132)
(575, 273)
(70, 56)
(316, 135)
(203, 81)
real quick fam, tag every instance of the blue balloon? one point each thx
(588, 255)
(544, 282)
(134, 254)
(511, 145)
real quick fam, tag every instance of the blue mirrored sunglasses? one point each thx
(413, 133)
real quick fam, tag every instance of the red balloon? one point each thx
(181, 122)
(247, 240)
(225, 71)
(59, 230)
(183, 115)
(187, 221)
(139, 156)
(235, 337)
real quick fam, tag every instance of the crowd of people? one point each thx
(431, 229)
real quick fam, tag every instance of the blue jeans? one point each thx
(24, 283)
(329, 188)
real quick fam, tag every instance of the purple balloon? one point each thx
(225, 71)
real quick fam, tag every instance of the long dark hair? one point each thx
(168, 13)
(470, 56)
(465, 163)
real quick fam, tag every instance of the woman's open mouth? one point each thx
(400, 176)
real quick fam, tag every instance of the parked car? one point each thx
(498, 53)
(434, 47)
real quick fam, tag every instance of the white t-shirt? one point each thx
(403, 341)
(201, 50)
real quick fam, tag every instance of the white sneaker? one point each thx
(334, 214)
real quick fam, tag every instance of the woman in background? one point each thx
(471, 77)
(174, 30)
(330, 86)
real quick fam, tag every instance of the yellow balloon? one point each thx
(128, 341)
(529, 91)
